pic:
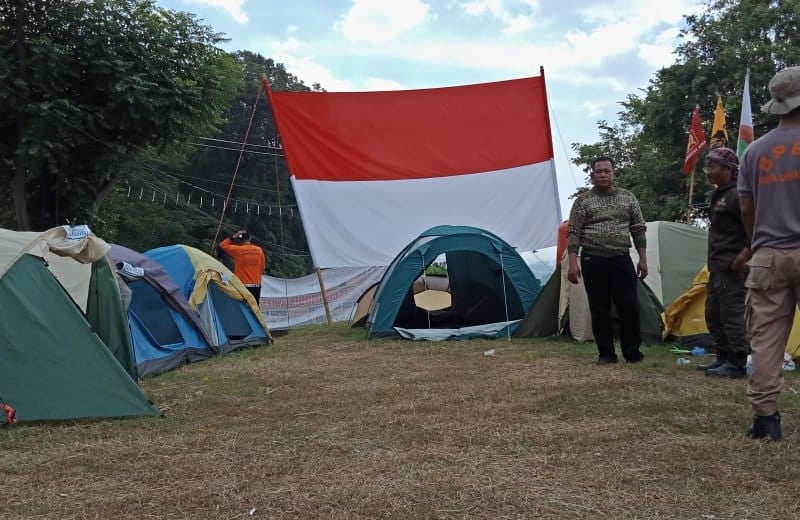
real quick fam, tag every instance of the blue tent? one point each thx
(229, 313)
(166, 331)
(491, 288)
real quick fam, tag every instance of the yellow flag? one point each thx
(719, 134)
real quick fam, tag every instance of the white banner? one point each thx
(293, 302)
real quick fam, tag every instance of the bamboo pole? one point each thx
(324, 296)
(691, 196)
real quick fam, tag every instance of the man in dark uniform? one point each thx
(727, 255)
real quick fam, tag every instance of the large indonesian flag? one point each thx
(373, 170)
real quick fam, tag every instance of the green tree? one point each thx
(91, 91)
(649, 141)
(255, 175)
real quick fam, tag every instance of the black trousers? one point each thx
(607, 280)
(256, 292)
(725, 305)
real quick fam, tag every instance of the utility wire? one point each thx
(211, 219)
(242, 150)
(240, 143)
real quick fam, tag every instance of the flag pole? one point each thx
(697, 142)
(691, 196)
(324, 296)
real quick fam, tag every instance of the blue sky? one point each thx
(594, 53)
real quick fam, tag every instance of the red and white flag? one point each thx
(373, 170)
(746, 135)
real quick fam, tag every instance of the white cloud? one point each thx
(502, 11)
(289, 52)
(381, 22)
(591, 109)
(382, 84)
(232, 7)
(661, 51)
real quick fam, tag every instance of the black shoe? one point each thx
(606, 360)
(635, 358)
(714, 364)
(727, 370)
(766, 427)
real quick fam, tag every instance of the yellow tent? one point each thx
(685, 319)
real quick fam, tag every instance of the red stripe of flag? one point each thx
(414, 134)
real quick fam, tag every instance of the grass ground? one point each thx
(326, 425)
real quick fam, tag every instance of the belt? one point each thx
(252, 285)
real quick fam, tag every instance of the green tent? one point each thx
(65, 350)
(491, 287)
(675, 252)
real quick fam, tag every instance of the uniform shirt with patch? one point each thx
(726, 234)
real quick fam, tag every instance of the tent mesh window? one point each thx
(148, 307)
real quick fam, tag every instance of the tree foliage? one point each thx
(242, 162)
(91, 91)
(720, 43)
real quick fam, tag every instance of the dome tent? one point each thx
(675, 252)
(229, 312)
(490, 285)
(65, 350)
(166, 331)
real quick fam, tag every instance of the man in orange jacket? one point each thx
(249, 261)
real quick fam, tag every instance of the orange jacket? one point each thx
(249, 261)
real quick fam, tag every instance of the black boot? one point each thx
(607, 360)
(766, 427)
(714, 364)
(727, 370)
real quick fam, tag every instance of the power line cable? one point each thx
(240, 143)
(235, 149)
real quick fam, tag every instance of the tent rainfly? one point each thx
(230, 314)
(675, 253)
(167, 332)
(65, 349)
(491, 288)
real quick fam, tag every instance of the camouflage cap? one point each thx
(784, 87)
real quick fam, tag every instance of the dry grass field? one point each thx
(323, 424)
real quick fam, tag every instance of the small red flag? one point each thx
(697, 141)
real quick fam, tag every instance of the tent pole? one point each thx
(505, 295)
(324, 296)
(425, 288)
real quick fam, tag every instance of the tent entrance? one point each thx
(488, 284)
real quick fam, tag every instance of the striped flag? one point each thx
(719, 134)
(373, 170)
(746, 135)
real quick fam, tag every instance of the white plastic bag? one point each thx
(788, 363)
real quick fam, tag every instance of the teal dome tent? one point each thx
(491, 287)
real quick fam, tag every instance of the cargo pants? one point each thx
(773, 293)
(725, 313)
